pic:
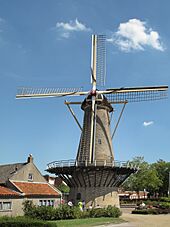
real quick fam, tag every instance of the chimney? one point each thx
(30, 159)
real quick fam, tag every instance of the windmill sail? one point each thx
(136, 94)
(27, 92)
(101, 60)
(98, 60)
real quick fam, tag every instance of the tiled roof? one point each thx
(29, 188)
(7, 192)
(6, 171)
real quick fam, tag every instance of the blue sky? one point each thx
(48, 43)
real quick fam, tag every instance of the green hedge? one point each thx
(23, 222)
(165, 199)
(151, 211)
(66, 212)
(110, 211)
(161, 203)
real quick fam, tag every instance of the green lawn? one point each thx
(87, 222)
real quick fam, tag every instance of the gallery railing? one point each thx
(75, 163)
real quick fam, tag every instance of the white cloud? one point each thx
(148, 123)
(72, 26)
(136, 35)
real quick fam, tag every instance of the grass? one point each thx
(87, 222)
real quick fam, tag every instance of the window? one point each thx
(52, 203)
(99, 141)
(40, 203)
(46, 203)
(5, 205)
(30, 177)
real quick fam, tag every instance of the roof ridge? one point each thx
(32, 182)
(23, 163)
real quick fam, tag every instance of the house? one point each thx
(23, 181)
(56, 181)
(130, 195)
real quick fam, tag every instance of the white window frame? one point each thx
(30, 177)
(3, 205)
(46, 202)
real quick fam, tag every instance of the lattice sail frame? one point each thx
(138, 94)
(28, 92)
(116, 95)
(101, 60)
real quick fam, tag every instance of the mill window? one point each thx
(99, 141)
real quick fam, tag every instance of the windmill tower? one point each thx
(94, 175)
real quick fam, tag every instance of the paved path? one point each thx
(136, 220)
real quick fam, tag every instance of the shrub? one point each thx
(66, 212)
(165, 199)
(110, 211)
(152, 211)
(145, 211)
(164, 205)
(113, 211)
(97, 213)
(29, 208)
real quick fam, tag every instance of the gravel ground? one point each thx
(136, 220)
(147, 220)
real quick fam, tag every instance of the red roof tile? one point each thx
(29, 188)
(7, 192)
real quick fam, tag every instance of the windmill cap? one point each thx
(101, 102)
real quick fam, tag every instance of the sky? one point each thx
(48, 44)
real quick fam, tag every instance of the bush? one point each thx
(51, 213)
(164, 205)
(145, 211)
(29, 208)
(66, 212)
(152, 211)
(113, 211)
(23, 222)
(165, 199)
(110, 211)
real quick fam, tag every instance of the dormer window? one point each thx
(30, 177)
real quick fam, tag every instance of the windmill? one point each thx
(95, 175)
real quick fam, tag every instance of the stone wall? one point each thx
(17, 205)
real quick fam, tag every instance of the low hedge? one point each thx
(110, 211)
(23, 222)
(165, 199)
(66, 212)
(162, 203)
(151, 211)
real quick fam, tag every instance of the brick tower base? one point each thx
(95, 196)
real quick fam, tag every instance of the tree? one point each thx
(64, 188)
(163, 169)
(146, 177)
